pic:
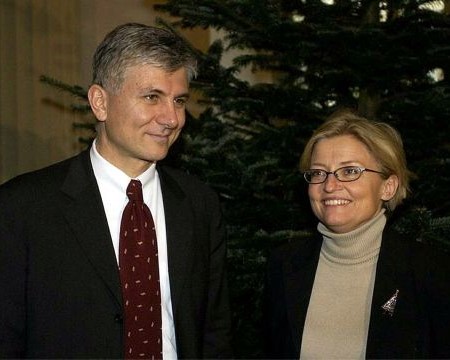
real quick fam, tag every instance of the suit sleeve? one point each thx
(218, 320)
(12, 278)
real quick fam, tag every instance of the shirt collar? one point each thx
(107, 172)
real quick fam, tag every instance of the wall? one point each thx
(36, 37)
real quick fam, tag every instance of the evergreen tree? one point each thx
(389, 59)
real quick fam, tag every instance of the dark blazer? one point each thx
(60, 294)
(419, 326)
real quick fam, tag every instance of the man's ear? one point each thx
(98, 99)
(389, 188)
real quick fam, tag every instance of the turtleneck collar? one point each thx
(355, 247)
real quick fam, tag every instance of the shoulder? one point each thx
(36, 183)
(396, 241)
(295, 253)
(180, 180)
(428, 263)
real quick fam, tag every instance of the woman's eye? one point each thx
(318, 173)
(351, 171)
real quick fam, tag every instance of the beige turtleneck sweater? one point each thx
(337, 320)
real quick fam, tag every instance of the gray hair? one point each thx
(133, 44)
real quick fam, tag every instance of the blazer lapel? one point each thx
(179, 232)
(85, 215)
(392, 333)
(299, 272)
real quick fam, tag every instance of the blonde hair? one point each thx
(381, 139)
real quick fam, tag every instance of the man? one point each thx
(63, 278)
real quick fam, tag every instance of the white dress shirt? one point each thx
(112, 183)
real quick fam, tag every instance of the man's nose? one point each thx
(169, 116)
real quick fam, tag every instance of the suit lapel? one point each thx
(85, 215)
(179, 232)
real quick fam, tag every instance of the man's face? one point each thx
(143, 119)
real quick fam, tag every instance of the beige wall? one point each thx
(55, 38)
(36, 37)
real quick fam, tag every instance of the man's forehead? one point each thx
(150, 78)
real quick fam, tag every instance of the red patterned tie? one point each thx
(138, 264)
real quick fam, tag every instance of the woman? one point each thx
(357, 289)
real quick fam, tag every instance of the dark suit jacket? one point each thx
(60, 294)
(420, 325)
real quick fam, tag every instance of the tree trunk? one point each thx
(369, 98)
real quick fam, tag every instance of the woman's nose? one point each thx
(331, 183)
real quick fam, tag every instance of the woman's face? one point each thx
(344, 206)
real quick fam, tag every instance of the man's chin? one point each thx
(158, 156)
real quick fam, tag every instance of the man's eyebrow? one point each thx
(151, 89)
(159, 91)
(183, 95)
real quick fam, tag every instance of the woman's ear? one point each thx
(98, 99)
(390, 187)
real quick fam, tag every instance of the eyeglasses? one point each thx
(343, 174)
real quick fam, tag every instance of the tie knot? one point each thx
(134, 191)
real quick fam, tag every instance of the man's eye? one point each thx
(152, 97)
(180, 102)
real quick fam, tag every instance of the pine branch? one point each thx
(74, 90)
